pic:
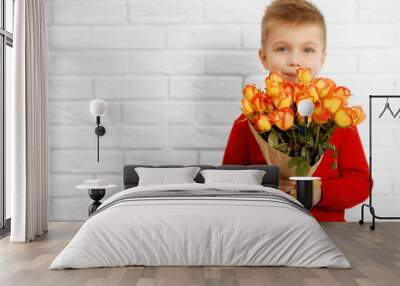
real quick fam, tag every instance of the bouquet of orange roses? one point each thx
(279, 129)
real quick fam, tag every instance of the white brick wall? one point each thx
(172, 73)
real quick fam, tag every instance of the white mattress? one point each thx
(200, 231)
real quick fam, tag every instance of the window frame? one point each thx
(6, 39)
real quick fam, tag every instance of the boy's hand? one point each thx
(289, 187)
(316, 192)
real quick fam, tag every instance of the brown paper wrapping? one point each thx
(278, 158)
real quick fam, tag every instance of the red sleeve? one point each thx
(237, 150)
(352, 187)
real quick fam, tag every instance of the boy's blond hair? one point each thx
(294, 12)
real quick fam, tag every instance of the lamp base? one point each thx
(96, 195)
(100, 130)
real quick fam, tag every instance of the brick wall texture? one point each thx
(172, 72)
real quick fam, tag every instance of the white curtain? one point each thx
(26, 119)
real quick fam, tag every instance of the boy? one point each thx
(293, 35)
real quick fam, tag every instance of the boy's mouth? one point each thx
(291, 76)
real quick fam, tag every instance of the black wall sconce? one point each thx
(98, 108)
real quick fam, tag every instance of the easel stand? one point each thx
(369, 205)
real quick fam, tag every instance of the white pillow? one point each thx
(248, 177)
(163, 176)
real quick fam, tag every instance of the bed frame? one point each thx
(270, 179)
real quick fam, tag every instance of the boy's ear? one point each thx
(263, 57)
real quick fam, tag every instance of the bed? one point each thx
(201, 224)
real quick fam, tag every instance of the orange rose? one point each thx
(249, 91)
(285, 97)
(273, 84)
(286, 119)
(343, 117)
(314, 92)
(269, 104)
(297, 93)
(343, 93)
(303, 76)
(321, 115)
(288, 89)
(258, 102)
(324, 86)
(357, 114)
(247, 107)
(274, 116)
(262, 123)
(282, 102)
(332, 103)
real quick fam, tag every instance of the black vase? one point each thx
(304, 190)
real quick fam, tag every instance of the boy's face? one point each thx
(289, 47)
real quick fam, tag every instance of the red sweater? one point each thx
(342, 188)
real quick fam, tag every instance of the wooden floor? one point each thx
(375, 256)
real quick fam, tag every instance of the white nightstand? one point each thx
(96, 193)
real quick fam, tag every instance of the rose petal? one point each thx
(304, 76)
(321, 115)
(332, 103)
(343, 118)
(247, 108)
(342, 92)
(262, 123)
(249, 91)
(357, 115)
(325, 86)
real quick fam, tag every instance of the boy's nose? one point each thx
(294, 60)
(294, 63)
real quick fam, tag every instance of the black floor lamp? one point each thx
(370, 205)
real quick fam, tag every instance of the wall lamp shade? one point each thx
(98, 108)
(305, 107)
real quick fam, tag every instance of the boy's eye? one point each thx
(281, 49)
(309, 50)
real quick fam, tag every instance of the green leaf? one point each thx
(310, 140)
(302, 169)
(334, 165)
(328, 146)
(295, 161)
(273, 139)
(303, 152)
(283, 147)
(320, 150)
